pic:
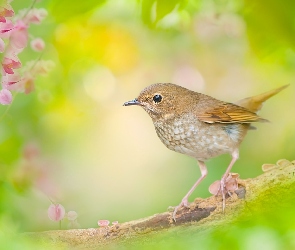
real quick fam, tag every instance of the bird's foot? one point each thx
(183, 203)
(226, 186)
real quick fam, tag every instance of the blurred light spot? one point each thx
(99, 83)
(206, 27)
(189, 77)
(45, 96)
(176, 18)
(262, 238)
(62, 33)
(170, 20)
(111, 45)
(233, 25)
(211, 26)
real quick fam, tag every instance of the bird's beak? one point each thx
(132, 102)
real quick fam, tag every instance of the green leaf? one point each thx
(164, 7)
(146, 11)
(153, 11)
(66, 9)
(270, 26)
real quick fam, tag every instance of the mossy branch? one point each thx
(203, 214)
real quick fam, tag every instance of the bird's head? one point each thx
(162, 100)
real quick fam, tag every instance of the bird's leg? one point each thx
(235, 156)
(184, 201)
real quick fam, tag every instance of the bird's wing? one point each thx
(228, 113)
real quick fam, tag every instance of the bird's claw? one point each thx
(225, 187)
(183, 203)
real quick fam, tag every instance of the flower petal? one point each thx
(214, 187)
(19, 38)
(56, 212)
(37, 44)
(231, 185)
(103, 223)
(36, 15)
(5, 97)
(9, 81)
(72, 215)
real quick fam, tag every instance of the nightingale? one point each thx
(199, 125)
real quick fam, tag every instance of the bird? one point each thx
(199, 125)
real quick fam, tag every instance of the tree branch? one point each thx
(202, 215)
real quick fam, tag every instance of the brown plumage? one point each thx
(199, 125)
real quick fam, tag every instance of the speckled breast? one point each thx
(188, 135)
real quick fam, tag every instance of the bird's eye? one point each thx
(157, 98)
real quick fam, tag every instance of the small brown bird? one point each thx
(198, 125)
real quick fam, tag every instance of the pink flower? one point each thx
(5, 97)
(5, 11)
(72, 215)
(115, 222)
(27, 84)
(56, 212)
(103, 223)
(6, 28)
(40, 67)
(19, 35)
(9, 81)
(9, 64)
(37, 44)
(35, 15)
(230, 185)
(214, 188)
(15, 31)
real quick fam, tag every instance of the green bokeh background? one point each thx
(105, 161)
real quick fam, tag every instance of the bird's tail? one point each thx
(254, 103)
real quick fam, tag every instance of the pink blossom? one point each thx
(9, 64)
(12, 52)
(35, 16)
(115, 222)
(230, 185)
(15, 31)
(19, 35)
(214, 188)
(37, 44)
(41, 67)
(5, 97)
(5, 11)
(24, 84)
(72, 215)
(28, 83)
(9, 81)
(6, 28)
(103, 223)
(56, 212)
